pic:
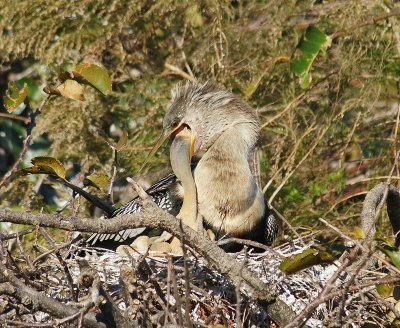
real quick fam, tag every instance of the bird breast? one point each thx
(228, 198)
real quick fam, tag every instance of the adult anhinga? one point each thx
(224, 132)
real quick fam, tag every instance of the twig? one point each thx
(364, 258)
(282, 112)
(371, 210)
(54, 323)
(304, 314)
(280, 216)
(24, 253)
(342, 152)
(154, 217)
(153, 281)
(248, 243)
(44, 303)
(239, 322)
(110, 194)
(26, 120)
(371, 21)
(3, 257)
(18, 234)
(64, 265)
(187, 278)
(26, 141)
(178, 71)
(168, 290)
(176, 296)
(290, 157)
(338, 291)
(99, 296)
(356, 242)
(311, 148)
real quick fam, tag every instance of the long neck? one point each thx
(189, 208)
(180, 162)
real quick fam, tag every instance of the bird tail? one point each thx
(98, 202)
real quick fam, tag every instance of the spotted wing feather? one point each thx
(160, 192)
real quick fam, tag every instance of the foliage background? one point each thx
(322, 148)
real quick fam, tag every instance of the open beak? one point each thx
(180, 129)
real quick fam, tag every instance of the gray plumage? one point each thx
(227, 131)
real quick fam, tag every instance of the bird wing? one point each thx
(254, 164)
(160, 192)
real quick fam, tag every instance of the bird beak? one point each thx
(164, 136)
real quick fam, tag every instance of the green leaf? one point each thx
(300, 66)
(385, 290)
(393, 254)
(312, 43)
(304, 260)
(99, 181)
(305, 81)
(122, 141)
(14, 97)
(94, 75)
(46, 165)
(34, 90)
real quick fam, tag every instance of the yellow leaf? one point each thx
(359, 233)
(97, 180)
(94, 75)
(122, 141)
(385, 290)
(46, 165)
(71, 89)
(14, 97)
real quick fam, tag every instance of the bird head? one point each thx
(206, 111)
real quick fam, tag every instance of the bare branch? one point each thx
(154, 217)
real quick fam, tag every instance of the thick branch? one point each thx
(152, 216)
(371, 203)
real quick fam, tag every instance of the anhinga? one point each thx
(221, 132)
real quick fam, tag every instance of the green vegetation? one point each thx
(325, 140)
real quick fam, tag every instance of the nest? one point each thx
(160, 289)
